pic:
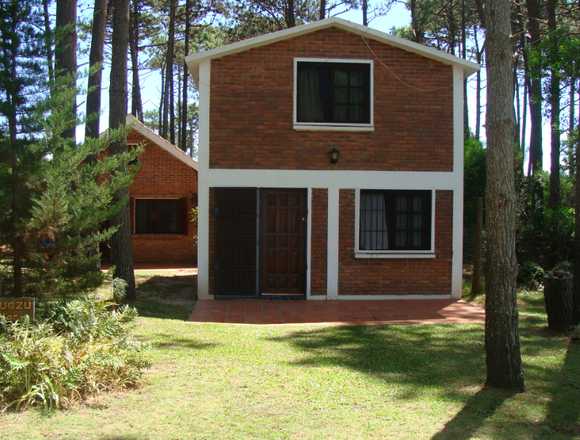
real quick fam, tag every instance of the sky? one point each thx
(397, 16)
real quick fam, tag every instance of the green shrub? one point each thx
(81, 349)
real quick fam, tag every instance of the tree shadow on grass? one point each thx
(443, 361)
(472, 416)
(164, 340)
(563, 415)
(166, 297)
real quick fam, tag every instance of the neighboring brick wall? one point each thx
(395, 276)
(319, 238)
(252, 103)
(162, 175)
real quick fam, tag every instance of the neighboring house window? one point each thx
(160, 216)
(333, 93)
(395, 220)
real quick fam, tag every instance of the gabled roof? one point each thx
(193, 61)
(133, 123)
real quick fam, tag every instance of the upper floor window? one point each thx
(333, 93)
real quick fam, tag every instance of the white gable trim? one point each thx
(193, 61)
(134, 124)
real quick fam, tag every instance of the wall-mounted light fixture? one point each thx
(334, 154)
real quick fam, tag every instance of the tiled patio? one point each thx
(256, 311)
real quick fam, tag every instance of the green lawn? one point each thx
(317, 382)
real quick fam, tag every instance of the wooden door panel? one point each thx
(235, 254)
(283, 241)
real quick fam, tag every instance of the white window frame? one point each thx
(362, 253)
(332, 126)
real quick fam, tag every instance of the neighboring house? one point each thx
(330, 165)
(161, 198)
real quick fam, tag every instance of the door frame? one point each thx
(307, 194)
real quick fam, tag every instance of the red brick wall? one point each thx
(162, 175)
(395, 276)
(319, 238)
(252, 102)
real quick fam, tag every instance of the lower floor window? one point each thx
(395, 220)
(160, 216)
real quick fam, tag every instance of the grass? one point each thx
(216, 381)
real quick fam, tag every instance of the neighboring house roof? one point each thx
(134, 123)
(193, 61)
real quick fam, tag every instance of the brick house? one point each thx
(161, 197)
(331, 166)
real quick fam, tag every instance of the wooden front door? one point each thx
(235, 232)
(283, 241)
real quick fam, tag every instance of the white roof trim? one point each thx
(133, 123)
(194, 60)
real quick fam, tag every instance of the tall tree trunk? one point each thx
(136, 100)
(416, 25)
(66, 56)
(516, 108)
(478, 54)
(502, 341)
(524, 135)
(121, 250)
(365, 12)
(11, 114)
(184, 99)
(467, 132)
(554, 197)
(161, 103)
(577, 235)
(169, 59)
(290, 13)
(96, 69)
(48, 41)
(571, 116)
(535, 89)
(476, 285)
(322, 10)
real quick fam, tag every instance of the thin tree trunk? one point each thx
(136, 100)
(17, 250)
(322, 10)
(365, 12)
(571, 116)
(478, 53)
(467, 132)
(524, 136)
(161, 103)
(66, 56)
(516, 107)
(93, 108)
(554, 197)
(121, 246)
(48, 37)
(184, 99)
(290, 14)
(535, 89)
(502, 341)
(169, 59)
(416, 25)
(577, 236)
(476, 285)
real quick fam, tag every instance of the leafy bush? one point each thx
(81, 349)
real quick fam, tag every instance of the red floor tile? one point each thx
(257, 311)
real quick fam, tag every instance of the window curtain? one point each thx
(373, 222)
(309, 102)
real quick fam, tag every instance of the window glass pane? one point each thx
(404, 220)
(340, 77)
(160, 216)
(373, 225)
(323, 87)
